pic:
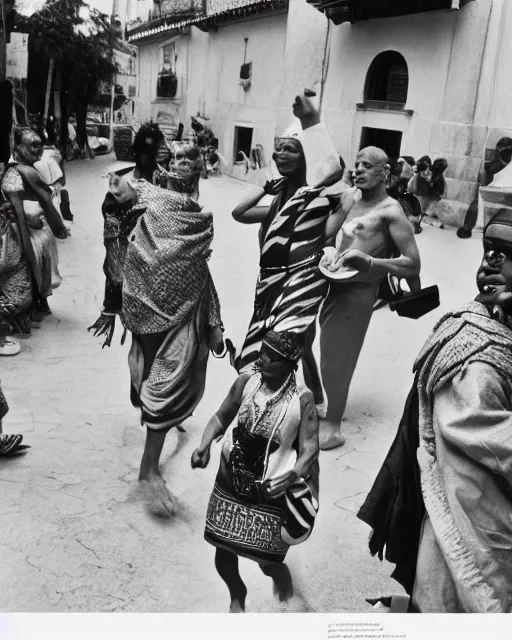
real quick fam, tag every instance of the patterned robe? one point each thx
(290, 287)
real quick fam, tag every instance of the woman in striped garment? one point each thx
(294, 230)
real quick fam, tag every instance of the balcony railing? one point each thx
(356, 10)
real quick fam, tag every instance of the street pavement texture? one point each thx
(75, 533)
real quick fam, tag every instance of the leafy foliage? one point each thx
(81, 40)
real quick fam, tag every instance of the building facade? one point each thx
(415, 77)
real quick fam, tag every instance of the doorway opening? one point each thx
(389, 141)
(242, 144)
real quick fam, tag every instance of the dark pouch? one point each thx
(417, 304)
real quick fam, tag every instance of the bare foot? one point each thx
(160, 500)
(330, 436)
(282, 579)
(238, 604)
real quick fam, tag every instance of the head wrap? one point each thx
(293, 132)
(501, 224)
(288, 345)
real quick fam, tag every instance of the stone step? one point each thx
(450, 212)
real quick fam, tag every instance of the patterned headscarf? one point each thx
(288, 345)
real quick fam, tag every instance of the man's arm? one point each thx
(408, 264)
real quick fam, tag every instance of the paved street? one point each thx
(74, 532)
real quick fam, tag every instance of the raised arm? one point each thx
(247, 210)
(220, 421)
(322, 159)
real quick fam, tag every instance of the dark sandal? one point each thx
(9, 443)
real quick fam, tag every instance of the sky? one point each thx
(28, 7)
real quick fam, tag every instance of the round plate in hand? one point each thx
(342, 273)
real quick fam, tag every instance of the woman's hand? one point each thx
(358, 260)
(272, 187)
(276, 487)
(305, 110)
(104, 325)
(200, 459)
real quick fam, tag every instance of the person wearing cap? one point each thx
(294, 228)
(273, 445)
(459, 415)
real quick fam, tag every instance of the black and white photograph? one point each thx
(255, 318)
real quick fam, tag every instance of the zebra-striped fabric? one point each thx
(301, 510)
(290, 287)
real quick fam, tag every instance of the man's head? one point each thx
(28, 146)
(494, 277)
(148, 140)
(372, 169)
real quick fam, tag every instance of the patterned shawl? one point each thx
(166, 271)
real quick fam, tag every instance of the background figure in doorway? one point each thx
(373, 230)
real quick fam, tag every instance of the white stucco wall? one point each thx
(425, 41)
(225, 102)
(150, 64)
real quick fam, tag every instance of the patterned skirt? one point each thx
(287, 299)
(244, 528)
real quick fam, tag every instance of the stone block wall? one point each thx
(462, 145)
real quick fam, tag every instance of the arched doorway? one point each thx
(387, 79)
(386, 88)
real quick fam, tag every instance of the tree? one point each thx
(76, 43)
(93, 65)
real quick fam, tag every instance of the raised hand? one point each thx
(305, 110)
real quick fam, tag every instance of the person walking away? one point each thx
(273, 446)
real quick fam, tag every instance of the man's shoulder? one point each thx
(392, 209)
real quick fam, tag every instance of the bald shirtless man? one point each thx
(373, 230)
